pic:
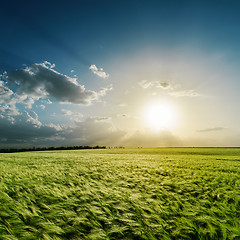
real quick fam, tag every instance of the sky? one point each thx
(128, 73)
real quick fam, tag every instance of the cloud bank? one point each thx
(32, 87)
(27, 130)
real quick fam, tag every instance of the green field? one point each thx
(168, 193)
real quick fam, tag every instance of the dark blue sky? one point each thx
(77, 31)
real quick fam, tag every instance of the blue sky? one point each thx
(84, 72)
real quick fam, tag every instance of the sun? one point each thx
(159, 116)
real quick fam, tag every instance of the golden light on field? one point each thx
(159, 115)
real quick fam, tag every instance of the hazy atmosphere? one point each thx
(119, 73)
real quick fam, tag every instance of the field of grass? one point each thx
(169, 193)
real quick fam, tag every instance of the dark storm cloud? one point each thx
(41, 80)
(26, 129)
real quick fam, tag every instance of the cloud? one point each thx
(42, 81)
(156, 84)
(103, 91)
(42, 106)
(47, 101)
(149, 138)
(67, 112)
(33, 119)
(5, 93)
(98, 71)
(101, 119)
(94, 131)
(75, 116)
(184, 93)
(171, 89)
(8, 107)
(102, 131)
(27, 130)
(123, 115)
(145, 84)
(122, 105)
(163, 85)
(8, 112)
(214, 129)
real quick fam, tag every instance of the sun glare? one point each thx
(159, 116)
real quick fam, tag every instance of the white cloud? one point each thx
(33, 119)
(28, 101)
(145, 84)
(98, 71)
(184, 93)
(42, 106)
(47, 101)
(103, 91)
(75, 116)
(5, 93)
(67, 112)
(156, 84)
(8, 112)
(171, 89)
(8, 107)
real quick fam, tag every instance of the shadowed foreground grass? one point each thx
(172, 193)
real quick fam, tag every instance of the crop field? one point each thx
(165, 193)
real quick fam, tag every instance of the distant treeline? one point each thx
(11, 150)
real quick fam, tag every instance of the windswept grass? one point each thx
(170, 193)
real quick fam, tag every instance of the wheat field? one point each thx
(165, 193)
